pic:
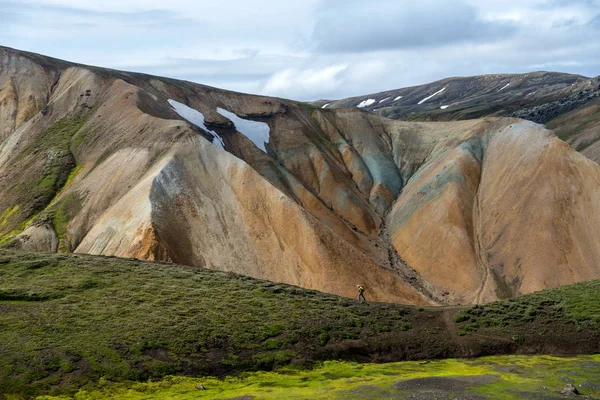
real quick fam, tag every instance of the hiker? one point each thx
(361, 293)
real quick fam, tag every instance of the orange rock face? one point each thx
(419, 213)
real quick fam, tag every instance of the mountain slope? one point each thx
(536, 96)
(115, 163)
(581, 129)
(72, 320)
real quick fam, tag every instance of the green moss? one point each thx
(307, 107)
(461, 317)
(577, 303)
(4, 217)
(58, 172)
(60, 214)
(53, 145)
(74, 172)
(508, 377)
(272, 344)
(503, 291)
(127, 320)
(9, 236)
(70, 320)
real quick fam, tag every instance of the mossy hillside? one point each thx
(5, 216)
(69, 320)
(9, 223)
(39, 186)
(512, 377)
(579, 304)
(55, 144)
(18, 228)
(64, 211)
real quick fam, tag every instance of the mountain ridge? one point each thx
(472, 96)
(100, 161)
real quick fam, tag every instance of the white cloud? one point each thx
(302, 83)
(309, 49)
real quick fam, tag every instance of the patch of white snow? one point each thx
(326, 105)
(366, 103)
(397, 98)
(444, 107)
(258, 132)
(197, 118)
(504, 87)
(427, 98)
(386, 99)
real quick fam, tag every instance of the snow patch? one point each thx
(504, 87)
(444, 107)
(366, 103)
(386, 99)
(195, 117)
(427, 98)
(326, 105)
(258, 132)
(397, 98)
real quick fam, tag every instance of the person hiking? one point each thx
(361, 293)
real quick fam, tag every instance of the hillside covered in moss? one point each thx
(68, 320)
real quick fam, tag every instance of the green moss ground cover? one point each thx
(506, 377)
(97, 325)
(579, 304)
(69, 320)
(41, 185)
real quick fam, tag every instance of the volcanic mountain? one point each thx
(536, 96)
(115, 163)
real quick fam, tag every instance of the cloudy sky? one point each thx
(311, 49)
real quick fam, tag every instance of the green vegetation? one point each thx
(55, 144)
(4, 217)
(6, 238)
(40, 185)
(60, 214)
(578, 304)
(68, 320)
(100, 324)
(307, 107)
(508, 377)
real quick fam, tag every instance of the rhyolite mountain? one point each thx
(115, 163)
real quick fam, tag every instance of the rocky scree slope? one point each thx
(115, 163)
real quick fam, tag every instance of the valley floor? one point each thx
(501, 377)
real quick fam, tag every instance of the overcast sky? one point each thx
(311, 49)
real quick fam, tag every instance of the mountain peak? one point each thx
(107, 162)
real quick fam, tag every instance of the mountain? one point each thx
(536, 96)
(117, 163)
(581, 128)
